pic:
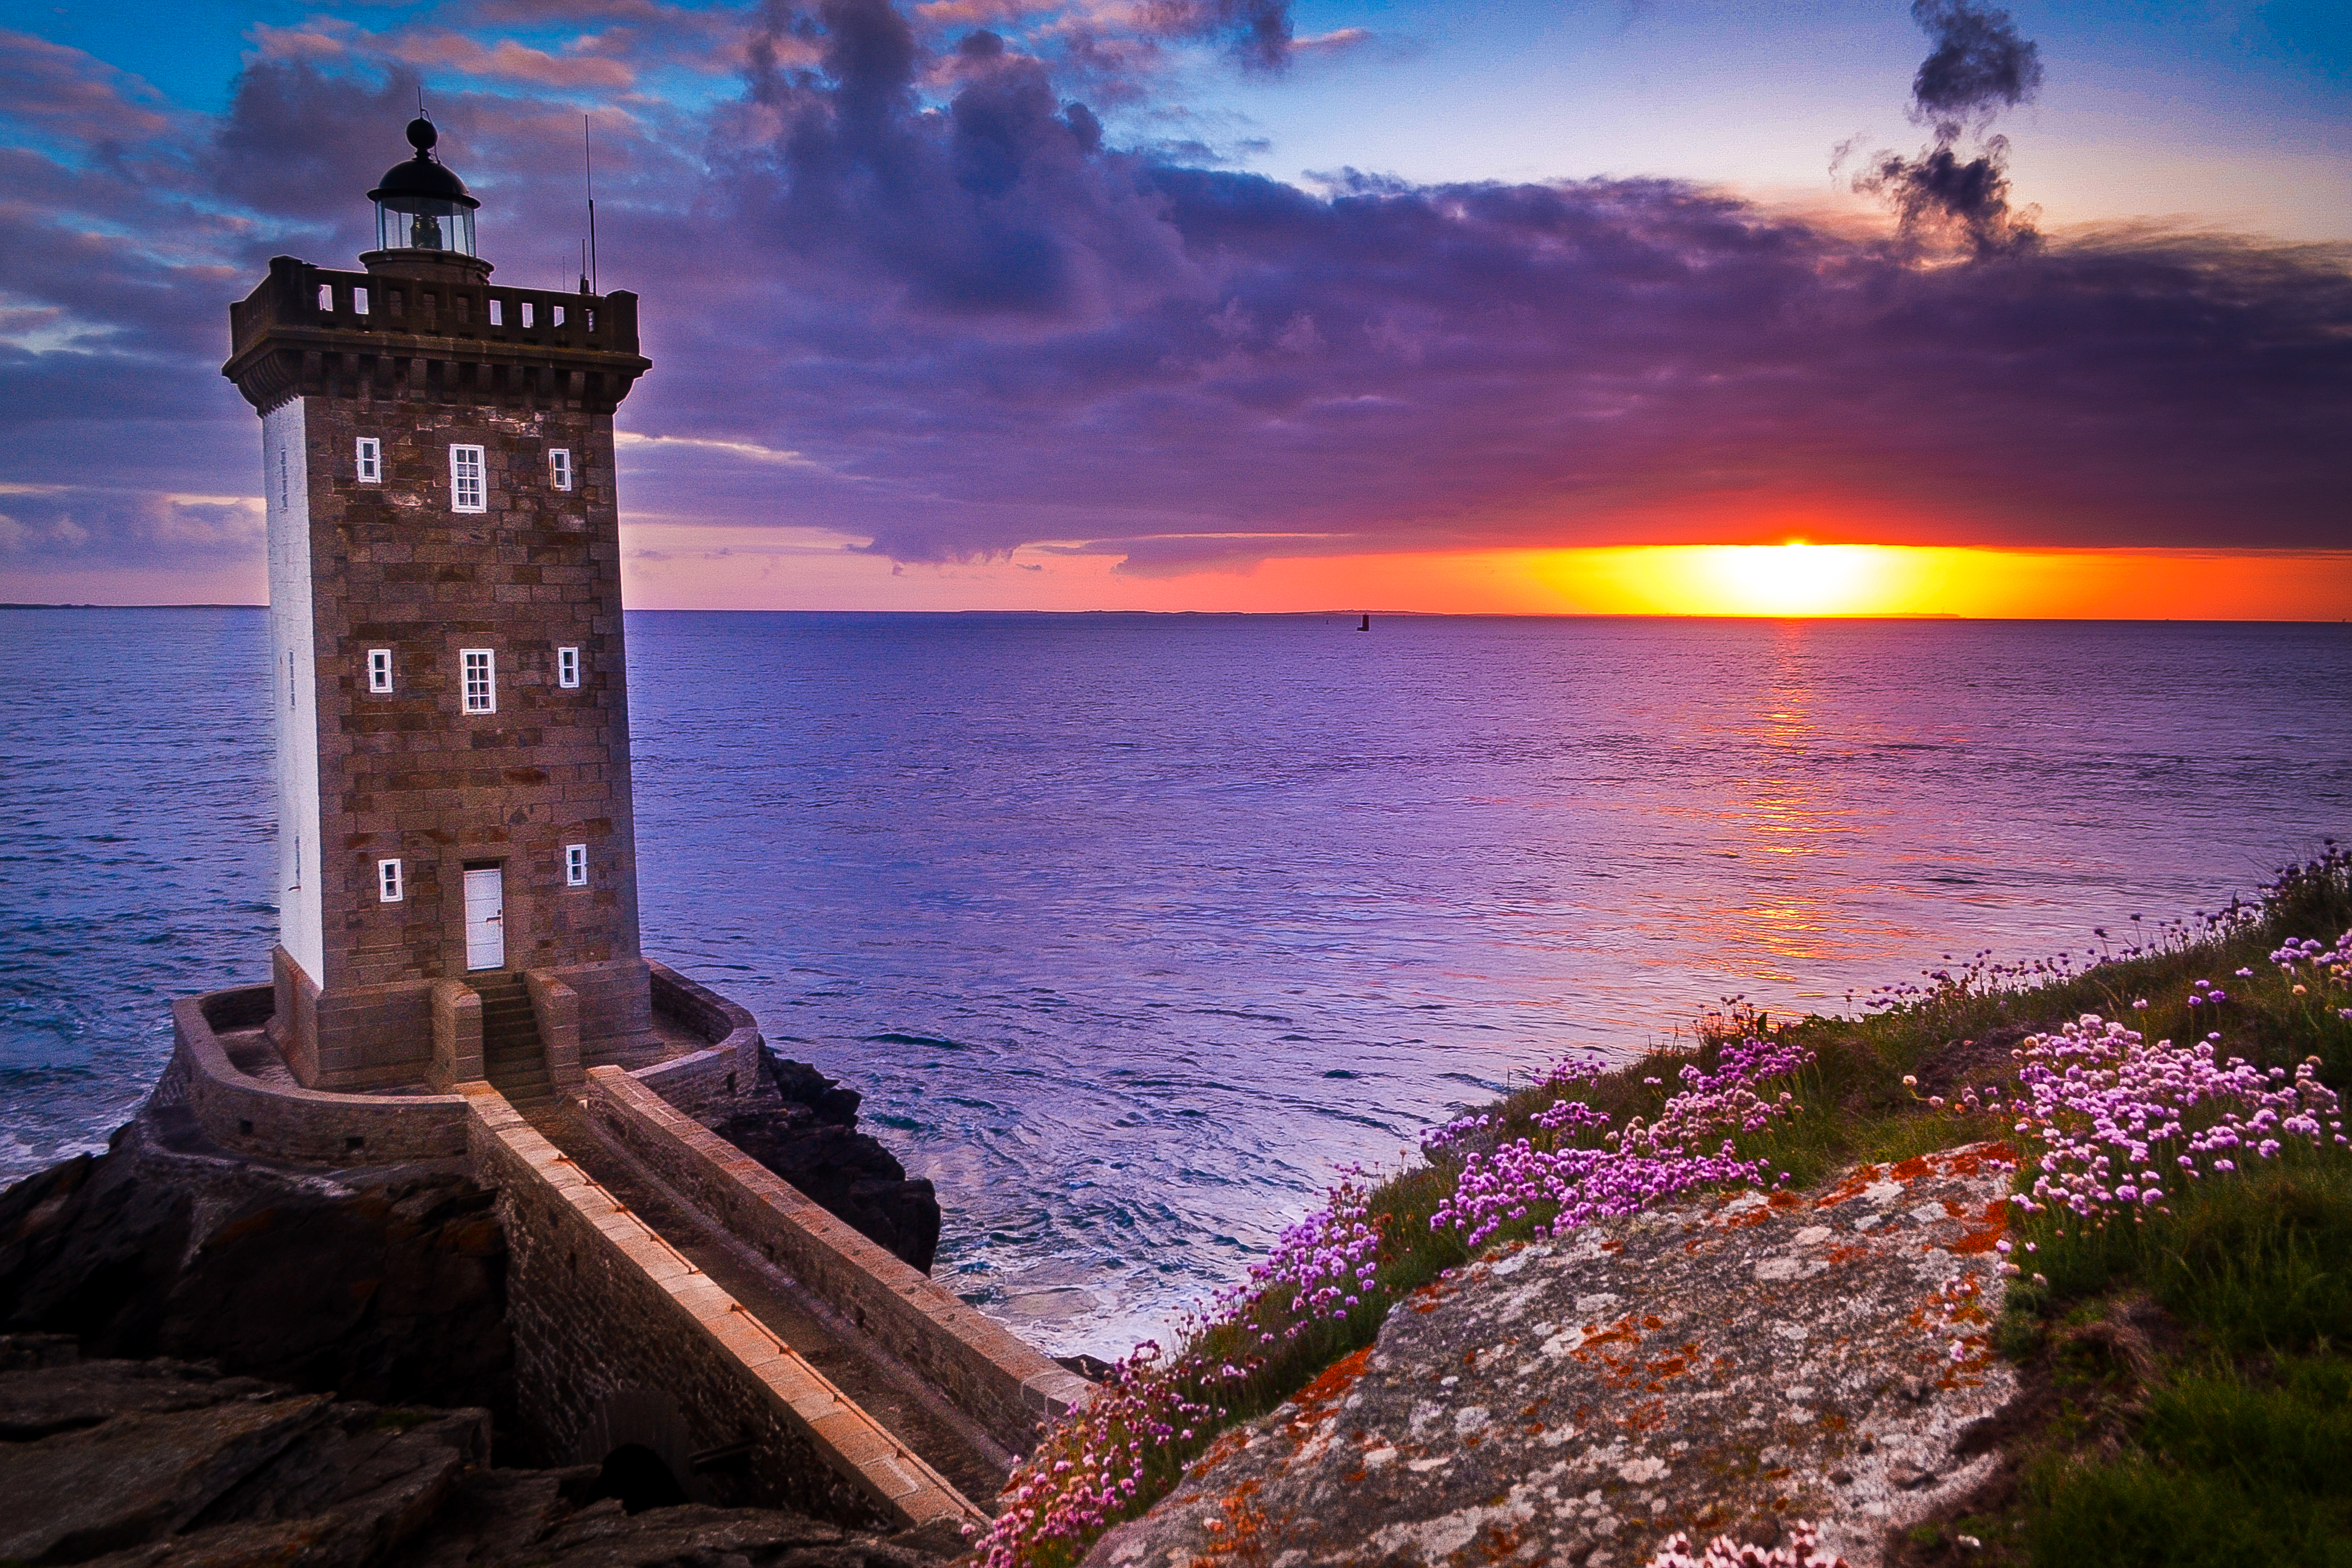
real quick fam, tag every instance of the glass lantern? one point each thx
(424, 223)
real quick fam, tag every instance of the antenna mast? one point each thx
(588, 156)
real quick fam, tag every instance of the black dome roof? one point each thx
(422, 175)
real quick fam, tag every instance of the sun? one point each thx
(1792, 579)
(1795, 579)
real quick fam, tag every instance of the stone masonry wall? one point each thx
(606, 1314)
(275, 1122)
(1002, 1383)
(407, 773)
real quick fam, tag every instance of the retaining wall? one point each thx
(709, 1081)
(241, 1113)
(604, 1309)
(1000, 1382)
(282, 1121)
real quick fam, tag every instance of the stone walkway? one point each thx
(892, 1395)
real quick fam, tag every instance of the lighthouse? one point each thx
(448, 684)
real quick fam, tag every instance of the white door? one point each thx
(486, 918)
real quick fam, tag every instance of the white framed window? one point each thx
(559, 468)
(326, 296)
(555, 315)
(359, 302)
(370, 462)
(478, 671)
(567, 668)
(467, 491)
(528, 314)
(575, 864)
(389, 887)
(379, 670)
(497, 311)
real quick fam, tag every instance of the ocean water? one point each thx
(1133, 928)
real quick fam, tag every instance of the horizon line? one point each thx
(1351, 612)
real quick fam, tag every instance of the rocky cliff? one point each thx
(385, 1283)
(811, 1140)
(1723, 1366)
(162, 1464)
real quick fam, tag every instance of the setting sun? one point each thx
(1792, 579)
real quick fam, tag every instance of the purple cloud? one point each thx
(903, 289)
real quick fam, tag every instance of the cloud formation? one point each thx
(1981, 65)
(903, 287)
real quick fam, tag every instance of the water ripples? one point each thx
(1132, 929)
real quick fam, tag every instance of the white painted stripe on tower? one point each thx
(294, 686)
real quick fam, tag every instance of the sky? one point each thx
(1632, 306)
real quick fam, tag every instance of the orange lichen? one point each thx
(1856, 1182)
(1241, 1533)
(1335, 1381)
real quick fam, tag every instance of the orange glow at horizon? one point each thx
(688, 567)
(1799, 580)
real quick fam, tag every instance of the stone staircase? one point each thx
(513, 1060)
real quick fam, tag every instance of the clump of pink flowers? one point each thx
(2119, 1120)
(1562, 1186)
(1328, 1260)
(1802, 1550)
(1090, 1469)
(2310, 964)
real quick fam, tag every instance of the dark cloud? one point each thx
(1001, 204)
(1256, 33)
(905, 289)
(1980, 65)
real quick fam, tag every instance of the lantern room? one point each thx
(421, 206)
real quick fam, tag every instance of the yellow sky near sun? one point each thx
(1887, 580)
(725, 569)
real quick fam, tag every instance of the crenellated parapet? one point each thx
(395, 332)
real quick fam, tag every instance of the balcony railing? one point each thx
(298, 294)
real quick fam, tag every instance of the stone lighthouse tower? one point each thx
(445, 613)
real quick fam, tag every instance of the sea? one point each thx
(1135, 930)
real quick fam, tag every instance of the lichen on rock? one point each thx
(1722, 1366)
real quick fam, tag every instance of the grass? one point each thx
(2234, 1443)
(2253, 1273)
(2227, 1466)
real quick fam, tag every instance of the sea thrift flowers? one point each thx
(1802, 1550)
(1089, 1469)
(1107, 1460)
(1330, 1259)
(2119, 1120)
(1562, 1188)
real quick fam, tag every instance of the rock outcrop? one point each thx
(811, 1140)
(385, 1283)
(1718, 1367)
(162, 1464)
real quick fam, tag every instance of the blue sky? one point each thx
(2235, 111)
